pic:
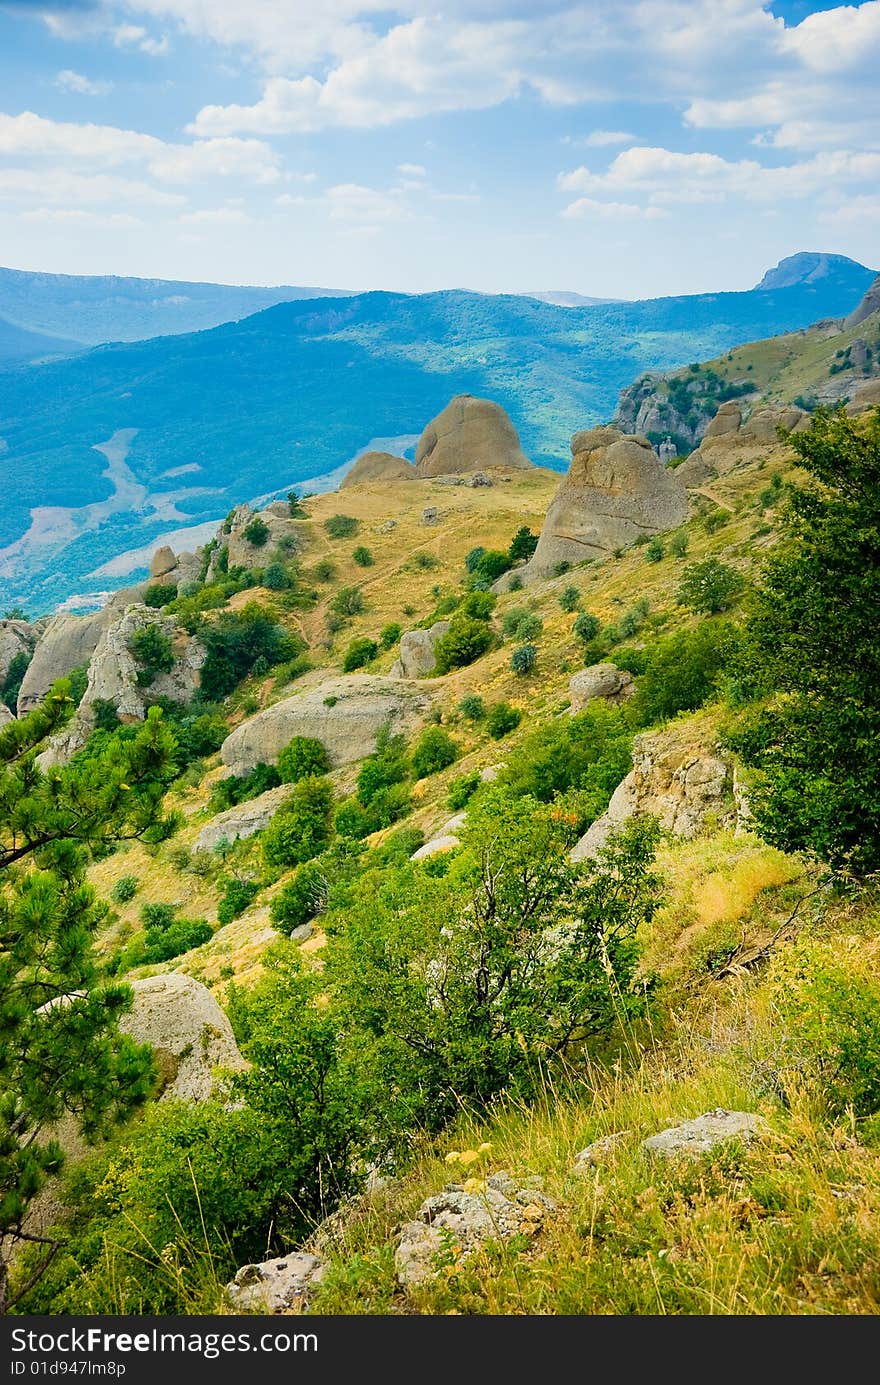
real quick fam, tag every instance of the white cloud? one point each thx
(135, 36)
(68, 216)
(599, 139)
(351, 202)
(412, 170)
(68, 80)
(589, 207)
(215, 216)
(62, 187)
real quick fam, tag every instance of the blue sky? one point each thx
(609, 147)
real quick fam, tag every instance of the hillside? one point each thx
(19, 344)
(253, 407)
(90, 309)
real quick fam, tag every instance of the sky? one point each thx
(618, 148)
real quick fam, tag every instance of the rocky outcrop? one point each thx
(244, 820)
(16, 637)
(345, 713)
(469, 435)
(599, 681)
(67, 642)
(866, 396)
(459, 1222)
(416, 657)
(276, 1286)
(163, 563)
(113, 677)
(673, 779)
(189, 1033)
(616, 491)
(283, 532)
(870, 304)
(5, 715)
(378, 466)
(704, 1133)
(729, 440)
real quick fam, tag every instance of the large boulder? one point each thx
(728, 440)
(16, 637)
(188, 1031)
(416, 657)
(345, 713)
(162, 565)
(681, 782)
(378, 466)
(704, 1133)
(865, 396)
(113, 677)
(468, 435)
(276, 1286)
(67, 642)
(616, 491)
(604, 681)
(244, 820)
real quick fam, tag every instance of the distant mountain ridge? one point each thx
(21, 344)
(113, 446)
(806, 267)
(91, 309)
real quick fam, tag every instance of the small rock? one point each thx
(164, 561)
(430, 514)
(480, 478)
(600, 1151)
(275, 1285)
(302, 933)
(701, 1135)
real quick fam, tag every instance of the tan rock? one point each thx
(378, 466)
(163, 563)
(468, 435)
(16, 637)
(599, 681)
(416, 658)
(67, 642)
(870, 304)
(243, 820)
(866, 396)
(727, 420)
(189, 1033)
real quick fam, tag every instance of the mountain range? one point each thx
(107, 449)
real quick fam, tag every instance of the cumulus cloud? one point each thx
(68, 80)
(599, 139)
(589, 207)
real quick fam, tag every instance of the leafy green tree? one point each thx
(523, 660)
(570, 599)
(387, 766)
(153, 650)
(501, 719)
(60, 1050)
(590, 753)
(303, 825)
(817, 642)
(655, 551)
(297, 509)
(276, 577)
(523, 544)
(472, 559)
(237, 895)
(301, 897)
(302, 756)
(434, 750)
(14, 678)
(465, 641)
(360, 652)
(586, 627)
(491, 566)
(709, 587)
(256, 532)
(362, 556)
(682, 671)
(160, 595)
(236, 640)
(348, 601)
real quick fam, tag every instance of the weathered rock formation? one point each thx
(276, 1286)
(615, 492)
(345, 713)
(870, 304)
(378, 466)
(704, 1133)
(67, 643)
(469, 435)
(675, 780)
(285, 533)
(244, 820)
(728, 440)
(163, 563)
(16, 637)
(599, 680)
(189, 1033)
(415, 657)
(866, 396)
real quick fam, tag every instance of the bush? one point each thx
(297, 509)
(472, 560)
(386, 766)
(236, 641)
(325, 570)
(655, 551)
(153, 650)
(477, 604)
(462, 789)
(276, 577)
(14, 678)
(348, 601)
(679, 543)
(518, 623)
(522, 545)
(465, 641)
(256, 532)
(491, 566)
(589, 753)
(389, 635)
(523, 659)
(157, 916)
(237, 895)
(303, 825)
(586, 627)
(502, 719)
(124, 889)
(570, 599)
(709, 587)
(472, 707)
(434, 750)
(301, 898)
(359, 652)
(362, 556)
(426, 561)
(160, 595)
(237, 789)
(682, 671)
(301, 757)
(341, 527)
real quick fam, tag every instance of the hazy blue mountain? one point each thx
(19, 344)
(89, 309)
(807, 267)
(203, 421)
(564, 298)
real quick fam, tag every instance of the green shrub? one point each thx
(386, 766)
(465, 641)
(434, 750)
(709, 587)
(523, 659)
(276, 577)
(491, 565)
(586, 627)
(124, 889)
(296, 508)
(235, 789)
(300, 899)
(502, 719)
(301, 757)
(589, 753)
(160, 595)
(679, 543)
(360, 651)
(324, 570)
(341, 526)
(472, 707)
(237, 895)
(472, 560)
(256, 532)
(426, 561)
(389, 635)
(303, 825)
(655, 551)
(153, 650)
(157, 916)
(570, 599)
(522, 545)
(462, 789)
(348, 601)
(560, 569)
(14, 678)
(362, 556)
(477, 604)
(235, 642)
(682, 671)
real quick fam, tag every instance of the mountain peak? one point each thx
(806, 267)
